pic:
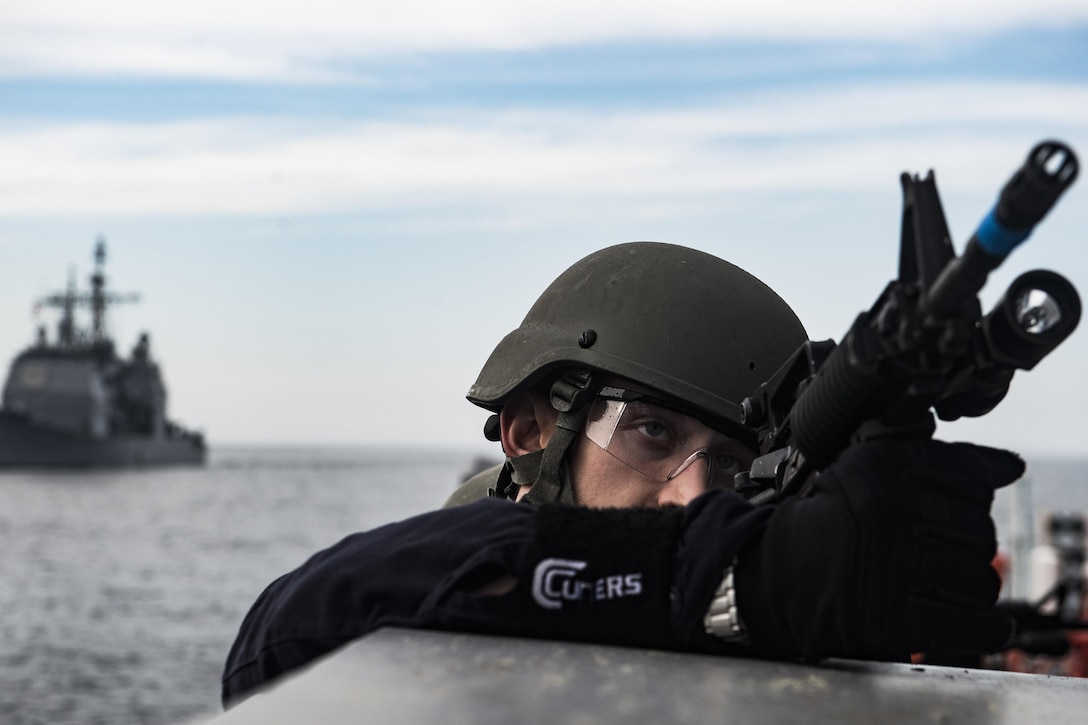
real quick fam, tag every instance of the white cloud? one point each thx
(566, 178)
(567, 181)
(310, 39)
(838, 140)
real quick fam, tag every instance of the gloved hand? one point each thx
(889, 553)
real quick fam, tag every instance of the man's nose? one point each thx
(687, 484)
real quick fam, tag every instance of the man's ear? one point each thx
(526, 423)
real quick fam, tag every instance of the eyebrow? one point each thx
(723, 443)
(747, 438)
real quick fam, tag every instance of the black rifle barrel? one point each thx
(853, 384)
(1050, 169)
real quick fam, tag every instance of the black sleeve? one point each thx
(631, 576)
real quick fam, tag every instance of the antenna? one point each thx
(98, 300)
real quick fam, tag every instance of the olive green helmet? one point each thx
(678, 320)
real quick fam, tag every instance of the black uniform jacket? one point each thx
(642, 577)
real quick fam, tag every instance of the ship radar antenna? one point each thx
(98, 291)
(99, 300)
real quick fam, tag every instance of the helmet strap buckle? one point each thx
(569, 395)
(571, 391)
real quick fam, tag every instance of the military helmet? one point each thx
(678, 320)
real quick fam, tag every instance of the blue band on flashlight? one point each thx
(996, 239)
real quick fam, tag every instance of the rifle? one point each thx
(924, 346)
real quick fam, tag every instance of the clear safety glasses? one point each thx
(661, 442)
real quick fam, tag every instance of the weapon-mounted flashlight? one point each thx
(1039, 310)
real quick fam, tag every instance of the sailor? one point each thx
(617, 404)
(655, 321)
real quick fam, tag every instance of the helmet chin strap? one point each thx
(552, 481)
(546, 470)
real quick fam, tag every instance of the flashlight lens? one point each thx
(1037, 311)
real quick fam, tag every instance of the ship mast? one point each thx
(98, 300)
(98, 293)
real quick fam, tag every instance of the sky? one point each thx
(334, 210)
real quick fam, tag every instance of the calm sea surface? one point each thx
(122, 591)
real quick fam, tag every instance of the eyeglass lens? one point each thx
(661, 443)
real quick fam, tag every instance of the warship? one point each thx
(74, 402)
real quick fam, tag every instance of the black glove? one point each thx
(889, 554)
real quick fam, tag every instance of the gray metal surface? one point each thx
(401, 676)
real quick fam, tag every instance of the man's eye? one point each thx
(654, 430)
(728, 462)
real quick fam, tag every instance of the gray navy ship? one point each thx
(74, 402)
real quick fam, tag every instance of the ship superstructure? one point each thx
(73, 401)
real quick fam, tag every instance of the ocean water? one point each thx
(122, 591)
